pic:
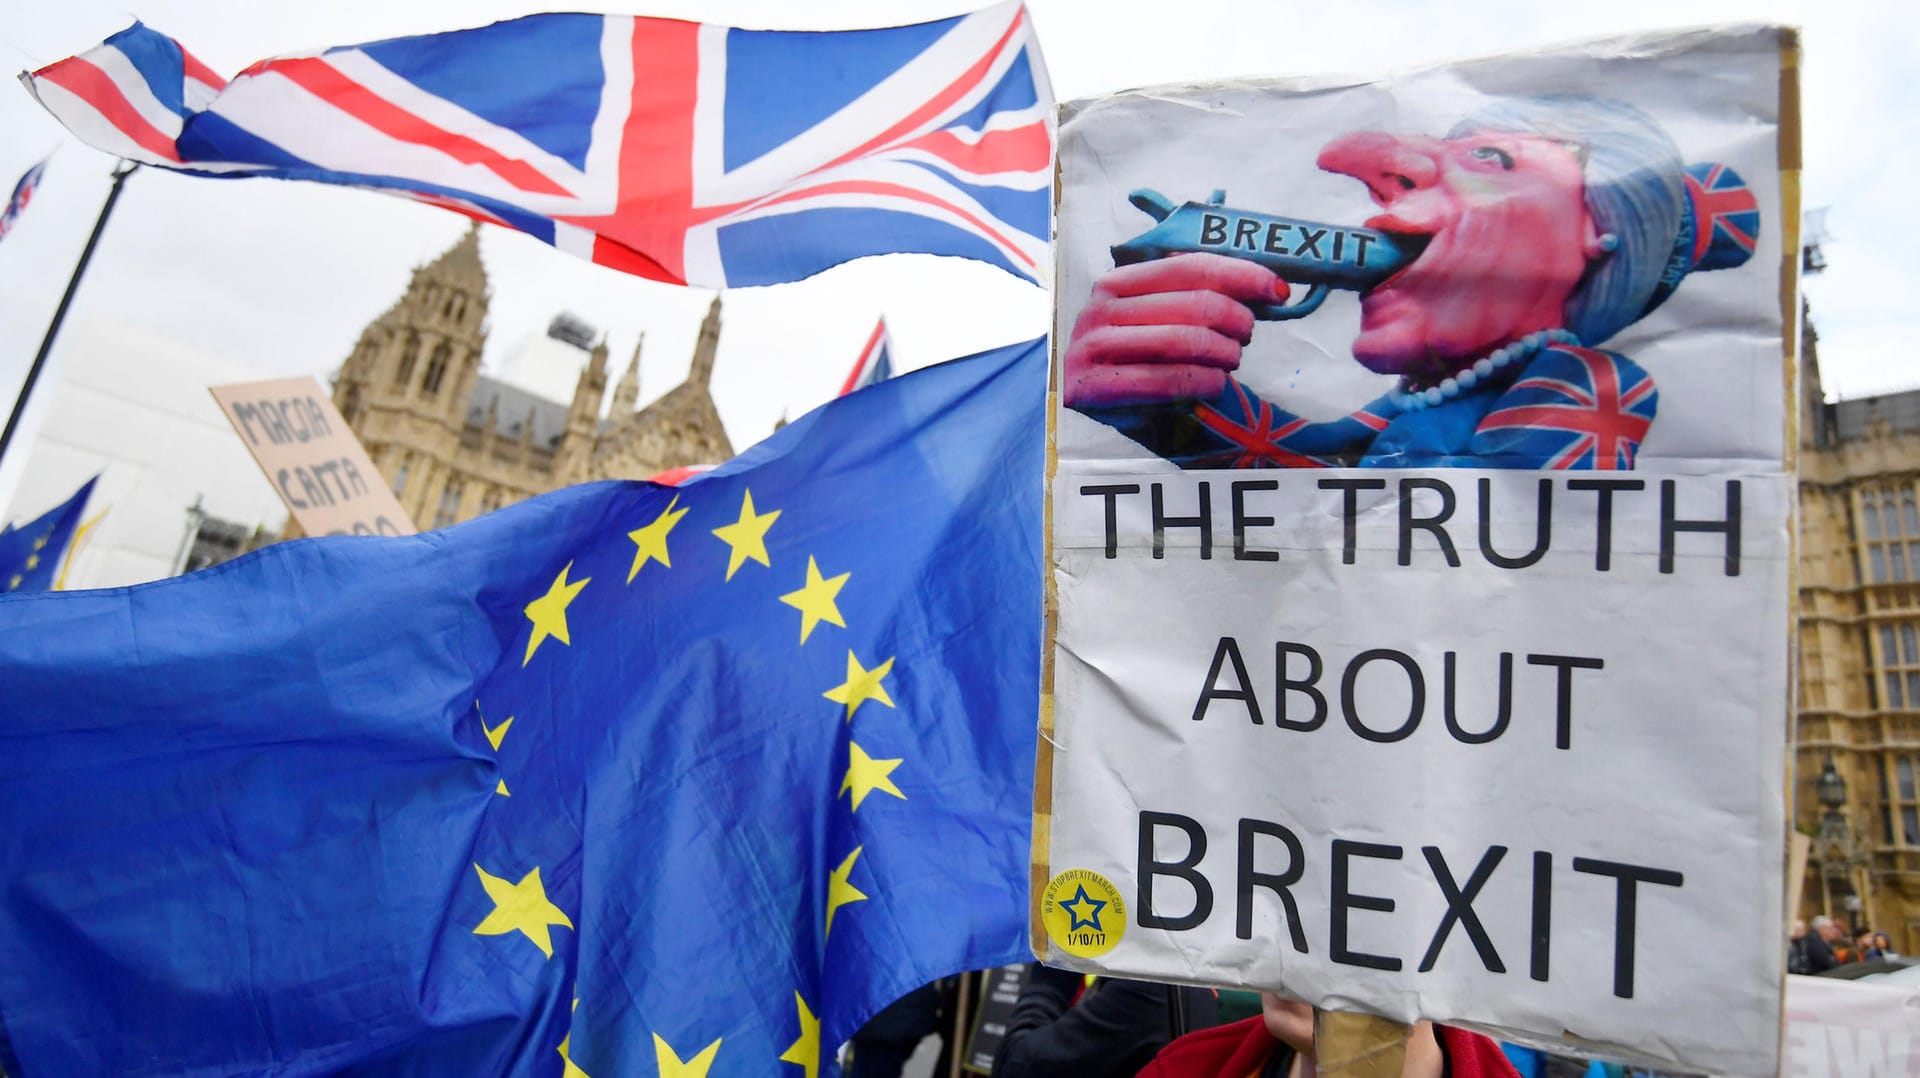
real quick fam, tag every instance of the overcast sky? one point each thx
(283, 276)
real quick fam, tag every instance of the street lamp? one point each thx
(1831, 790)
(1841, 852)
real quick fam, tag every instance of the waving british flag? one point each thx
(684, 152)
(22, 194)
(875, 364)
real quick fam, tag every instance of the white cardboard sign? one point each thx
(1424, 652)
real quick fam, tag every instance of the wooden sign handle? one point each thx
(1359, 1046)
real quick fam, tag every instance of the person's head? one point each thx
(1539, 214)
(1864, 940)
(1798, 930)
(1883, 941)
(1826, 928)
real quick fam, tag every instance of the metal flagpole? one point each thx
(120, 175)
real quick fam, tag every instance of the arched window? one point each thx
(491, 500)
(408, 356)
(436, 370)
(446, 311)
(449, 505)
(400, 479)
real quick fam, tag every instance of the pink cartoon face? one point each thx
(1511, 237)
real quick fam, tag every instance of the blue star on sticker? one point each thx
(1079, 901)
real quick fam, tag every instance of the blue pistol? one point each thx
(1321, 256)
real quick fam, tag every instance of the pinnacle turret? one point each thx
(701, 372)
(627, 392)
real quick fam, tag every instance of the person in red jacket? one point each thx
(1278, 1043)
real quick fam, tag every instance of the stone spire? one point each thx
(627, 392)
(589, 391)
(441, 314)
(701, 372)
(460, 264)
(583, 419)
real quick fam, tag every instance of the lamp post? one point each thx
(1841, 851)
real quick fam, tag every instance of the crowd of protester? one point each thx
(1829, 942)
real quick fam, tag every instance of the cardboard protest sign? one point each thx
(1838, 1027)
(1001, 992)
(1421, 495)
(311, 456)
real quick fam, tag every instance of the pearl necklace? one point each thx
(1412, 400)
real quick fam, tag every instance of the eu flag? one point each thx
(30, 555)
(622, 780)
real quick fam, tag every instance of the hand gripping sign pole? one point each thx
(120, 175)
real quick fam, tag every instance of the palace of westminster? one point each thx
(455, 443)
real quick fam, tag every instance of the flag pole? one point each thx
(120, 175)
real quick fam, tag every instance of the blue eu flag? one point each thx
(622, 780)
(30, 555)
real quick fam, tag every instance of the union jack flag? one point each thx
(22, 194)
(1574, 408)
(683, 152)
(1726, 216)
(875, 363)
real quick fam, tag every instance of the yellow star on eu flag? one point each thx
(866, 774)
(747, 536)
(549, 612)
(520, 907)
(671, 1066)
(861, 685)
(33, 561)
(495, 735)
(816, 601)
(570, 1069)
(840, 890)
(650, 542)
(805, 1052)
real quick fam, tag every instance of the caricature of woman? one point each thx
(1548, 225)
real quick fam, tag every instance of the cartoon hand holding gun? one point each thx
(1170, 320)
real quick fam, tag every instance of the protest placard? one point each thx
(1839, 1027)
(1421, 546)
(312, 458)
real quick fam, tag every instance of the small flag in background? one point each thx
(624, 779)
(79, 540)
(874, 365)
(679, 151)
(22, 194)
(673, 477)
(31, 555)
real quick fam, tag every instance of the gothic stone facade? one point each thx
(1859, 653)
(455, 443)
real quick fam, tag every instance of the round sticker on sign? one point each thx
(1083, 913)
